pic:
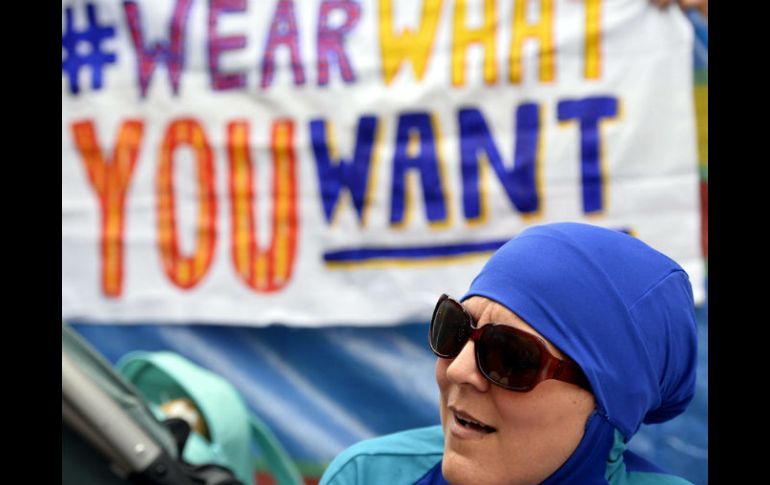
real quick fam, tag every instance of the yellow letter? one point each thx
(186, 271)
(396, 48)
(593, 40)
(542, 31)
(110, 178)
(463, 36)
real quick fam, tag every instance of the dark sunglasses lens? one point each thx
(449, 329)
(508, 359)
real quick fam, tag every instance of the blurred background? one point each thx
(279, 191)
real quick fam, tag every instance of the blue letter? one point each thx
(519, 182)
(589, 111)
(416, 150)
(333, 175)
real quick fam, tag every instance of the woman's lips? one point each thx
(466, 426)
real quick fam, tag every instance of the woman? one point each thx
(570, 337)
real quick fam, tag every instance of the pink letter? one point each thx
(283, 30)
(217, 44)
(171, 52)
(330, 39)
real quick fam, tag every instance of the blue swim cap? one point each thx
(622, 310)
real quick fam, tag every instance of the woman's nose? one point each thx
(463, 369)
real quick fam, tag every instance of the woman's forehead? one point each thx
(484, 311)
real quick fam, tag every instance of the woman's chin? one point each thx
(463, 470)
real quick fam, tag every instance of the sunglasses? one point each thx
(506, 356)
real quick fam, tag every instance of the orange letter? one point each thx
(593, 68)
(264, 270)
(463, 36)
(396, 48)
(541, 31)
(110, 179)
(186, 271)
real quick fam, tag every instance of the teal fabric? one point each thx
(396, 459)
(405, 457)
(284, 471)
(162, 376)
(618, 474)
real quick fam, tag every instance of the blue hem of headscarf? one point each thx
(433, 477)
(587, 465)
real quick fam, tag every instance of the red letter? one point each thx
(186, 271)
(264, 270)
(110, 179)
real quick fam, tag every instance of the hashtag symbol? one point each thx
(84, 49)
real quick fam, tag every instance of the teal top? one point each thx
(411, 456)
(400, 458)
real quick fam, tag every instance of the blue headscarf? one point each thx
(622, 310)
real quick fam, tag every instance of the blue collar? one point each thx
(587, 465)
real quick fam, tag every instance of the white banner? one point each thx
(346, 162)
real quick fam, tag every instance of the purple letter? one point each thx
(217, 44)
(171, 52)
(283, 30)
(330, 39)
